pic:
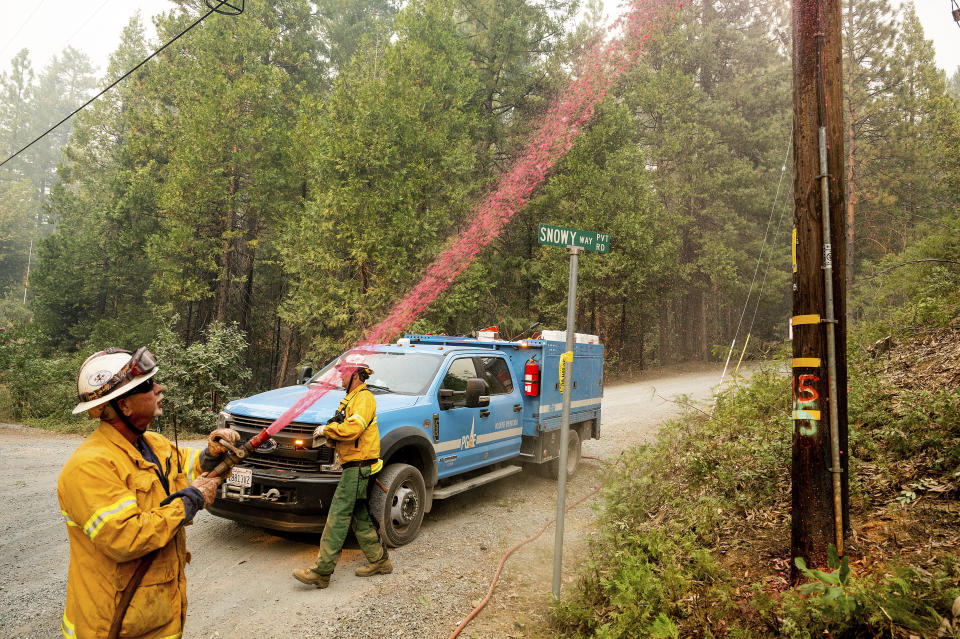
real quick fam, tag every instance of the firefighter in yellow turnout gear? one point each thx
(354, 435)
(125, 495)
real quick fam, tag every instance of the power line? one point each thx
(231, 4)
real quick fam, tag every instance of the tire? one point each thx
(551, 468)
(399, 510)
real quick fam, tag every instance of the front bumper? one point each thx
(279, 500)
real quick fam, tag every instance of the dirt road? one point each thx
(239, 580)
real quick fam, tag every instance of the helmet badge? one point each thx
(99, 378)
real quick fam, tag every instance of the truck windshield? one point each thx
(402, 373)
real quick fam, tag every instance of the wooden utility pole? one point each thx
(819, 474)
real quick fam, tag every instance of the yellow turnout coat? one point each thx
(110, 498)
(357, 437)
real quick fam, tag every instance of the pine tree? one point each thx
(712, 104)
(16, 235)
(231, 174)
(345, 24)
(92, 275)
(869, 37)
(906, 173)
(392, 157)
(953, 86)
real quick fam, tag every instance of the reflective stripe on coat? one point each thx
(357, 436)
(110, 500)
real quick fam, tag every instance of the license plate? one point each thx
(241, 477)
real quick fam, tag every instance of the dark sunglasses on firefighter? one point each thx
(141, 363)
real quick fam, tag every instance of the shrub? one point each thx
(34, 388)
(840, 604)
(200, 377)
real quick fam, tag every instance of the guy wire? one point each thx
(763, 244)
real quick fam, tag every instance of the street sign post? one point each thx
(575, 241)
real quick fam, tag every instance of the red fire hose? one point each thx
(496, 576)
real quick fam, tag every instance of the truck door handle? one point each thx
(517, 408)
(484, 413)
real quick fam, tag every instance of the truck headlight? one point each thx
(224, 419)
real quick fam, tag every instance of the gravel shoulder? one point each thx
(239, 582)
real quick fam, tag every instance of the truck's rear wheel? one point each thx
(552, 468)
(399, 510)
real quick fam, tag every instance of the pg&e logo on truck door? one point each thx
(469, 441)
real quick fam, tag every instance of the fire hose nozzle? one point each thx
(234, 456)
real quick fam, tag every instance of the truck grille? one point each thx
(308, 465)
(259, 424)
(285, 456)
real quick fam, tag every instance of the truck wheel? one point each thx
(552, 468)
(400, 509)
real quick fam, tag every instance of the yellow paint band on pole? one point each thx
(806, 362)
(742, 353)
(805, 319)
(806, 414)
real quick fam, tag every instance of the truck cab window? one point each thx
(497, 375)
(456, 379)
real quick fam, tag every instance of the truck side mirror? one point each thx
(445, 397)
(476, 393)
(304, 373)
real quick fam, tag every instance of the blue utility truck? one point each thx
(453, 413)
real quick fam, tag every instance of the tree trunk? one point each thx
(704, 341)
(622, 342)
(223, 287)
(275, 351)
(246, 304)
(594, 329)
(288, 339)
(223, 283)
(851, 199)
(664, 320)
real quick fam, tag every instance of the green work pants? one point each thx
(348, 509)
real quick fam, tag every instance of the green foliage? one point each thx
(653, 556)
(296, 170)
(392, 153)
(13, 312)
(916, 287)
(199, 377)
(711, 104)
(903, 136)
(842, 604)
(17, 219)
(670, 508)
(35, 388)
(637, 580)
(892, 424)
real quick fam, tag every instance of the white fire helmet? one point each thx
(109, 374)
(354, 362)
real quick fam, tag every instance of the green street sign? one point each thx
(587, 240)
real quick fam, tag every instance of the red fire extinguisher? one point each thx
(531, 377)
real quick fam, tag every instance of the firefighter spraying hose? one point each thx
(317, 389)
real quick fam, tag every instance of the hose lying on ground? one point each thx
(503, 560)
